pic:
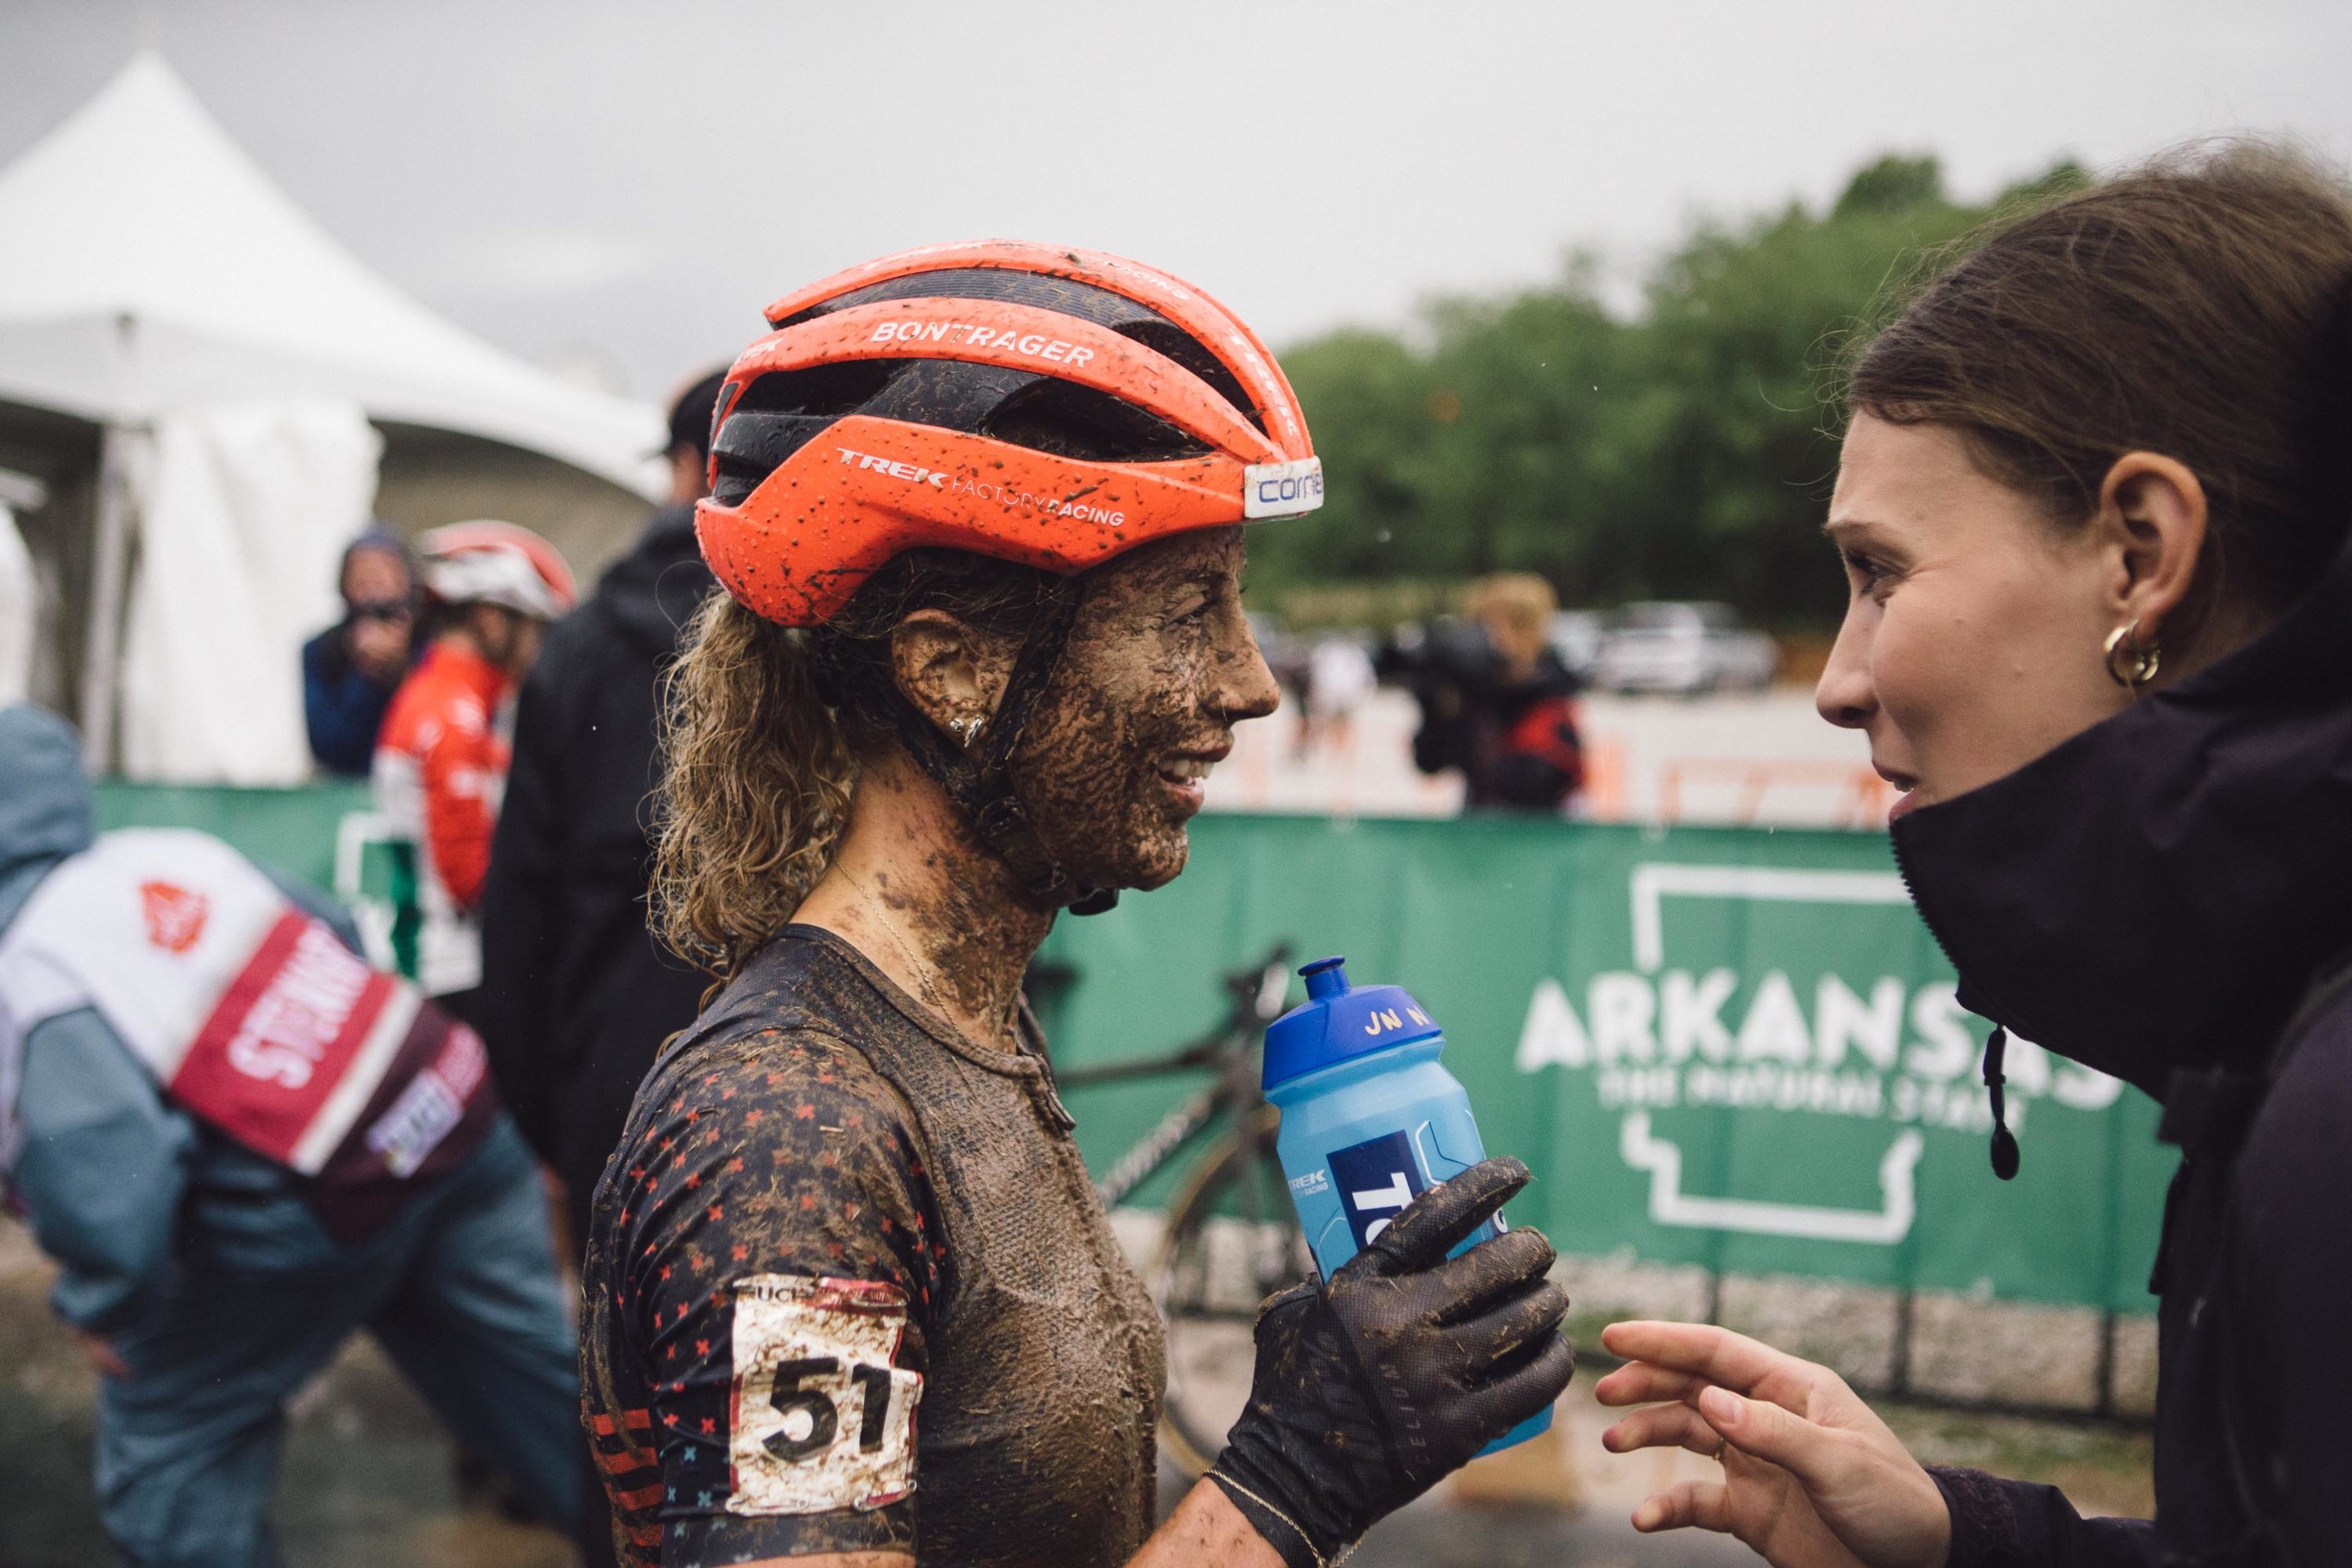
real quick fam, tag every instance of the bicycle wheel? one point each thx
(1231, 1239)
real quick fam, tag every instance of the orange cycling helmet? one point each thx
(1047, 406)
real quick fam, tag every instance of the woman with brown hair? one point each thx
(2093, 504)
(977, 513)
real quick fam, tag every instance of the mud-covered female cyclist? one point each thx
(850, 1298)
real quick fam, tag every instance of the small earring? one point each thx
(2131, 663)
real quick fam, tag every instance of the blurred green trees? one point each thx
(1681, 453)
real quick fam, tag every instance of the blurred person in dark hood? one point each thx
(351, 669)
(2093, 505)
(577, 994)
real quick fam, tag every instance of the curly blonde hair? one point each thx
(764, 729)
(756, 791)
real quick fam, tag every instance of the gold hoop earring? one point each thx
(2131, 663)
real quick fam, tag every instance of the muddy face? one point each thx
(1160, 666)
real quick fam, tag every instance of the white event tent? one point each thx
(154, 281)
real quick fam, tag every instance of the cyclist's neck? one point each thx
(910, 890)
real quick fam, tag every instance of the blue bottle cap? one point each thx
(1338, 1021)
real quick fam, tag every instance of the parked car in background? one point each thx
(1680, 647)
(1575, 636)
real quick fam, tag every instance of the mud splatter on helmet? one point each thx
(1049, 407)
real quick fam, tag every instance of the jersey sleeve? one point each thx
(777, 1267)
(460, 771)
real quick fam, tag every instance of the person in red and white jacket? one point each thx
(441, 760)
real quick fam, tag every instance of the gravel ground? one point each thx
(370, 1481)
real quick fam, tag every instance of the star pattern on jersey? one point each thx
(778, 1157)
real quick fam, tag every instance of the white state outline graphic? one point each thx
(1651, 884)
(1669, 1205)
(1653, 881)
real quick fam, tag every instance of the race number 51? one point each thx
(823, 1420)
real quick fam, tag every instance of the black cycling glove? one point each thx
(1370, 1389)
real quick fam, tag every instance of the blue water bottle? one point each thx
(1368, 1119)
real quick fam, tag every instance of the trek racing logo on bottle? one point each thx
(1376, 1179)
(1282, 489)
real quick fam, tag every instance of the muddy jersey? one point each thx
(848, 1288)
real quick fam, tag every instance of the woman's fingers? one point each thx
(1809, 1474)
(1686, 1505)
(1718, 1355)
(1818, 1457)
(1638, 1383)
(1663, 1426)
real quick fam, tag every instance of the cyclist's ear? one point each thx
(1437, 1221)
(952, 671)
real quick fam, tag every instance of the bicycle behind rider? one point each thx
(977, 511)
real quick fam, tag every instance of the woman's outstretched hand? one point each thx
(1810, 1475)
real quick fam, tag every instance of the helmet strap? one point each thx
(981, 787)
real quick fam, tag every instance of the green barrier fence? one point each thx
(288, 830)
(1720, 1047)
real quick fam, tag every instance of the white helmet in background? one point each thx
(491, 562)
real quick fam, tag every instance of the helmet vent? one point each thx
(782, 412)
(842, 388)
(1088, 301)
(1165, 337)
(752, 445)
(1068, 420)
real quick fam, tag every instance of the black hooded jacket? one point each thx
(2167, 898)
(576, 994)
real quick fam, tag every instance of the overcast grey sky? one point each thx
(633, 181)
